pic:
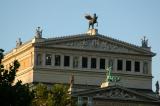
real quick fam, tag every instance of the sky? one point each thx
(126, 20)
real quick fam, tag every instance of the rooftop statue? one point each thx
(92, 20)
(144, 42)
(157, 87)
(38, 32)
(18, 42)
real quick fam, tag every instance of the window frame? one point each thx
(84, 60)
(66, 61)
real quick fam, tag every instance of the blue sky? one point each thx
(127, 20)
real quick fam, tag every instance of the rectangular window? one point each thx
(84, 62)
(102, 63)
(128, 65)
(39, 59)
(93, 62)
(137, 66)
(119, 65)
(66, 61)
(57, 60)
(48, 59)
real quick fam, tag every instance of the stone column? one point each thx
(106, 63)
(90, 101)
(150, 67)
(89, 63)
(98, 63)
(71, 62)
(35, 59)
(43, 59)
(80, 101)
(132, 66)
(114, 65)
(80, 62)
(53, 59)
(124, 65)
(62, 61)
(141, 67)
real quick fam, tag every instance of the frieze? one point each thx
(96, 44)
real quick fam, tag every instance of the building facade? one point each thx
(54, 60)
(86, 57)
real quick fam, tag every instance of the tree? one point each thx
(12, 94)
(56, 96)
(60, 95)
(41, 95)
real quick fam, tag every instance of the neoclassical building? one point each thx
(86, 56)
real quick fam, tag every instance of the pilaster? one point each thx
(124, 65)
(43, 59)
(141, 67)
(98, 63)
(106, 63)
(53, 60)
(80, 101)
(90, 101)
(62, 61)
(150, 67)
(80, 62)
(71, 62)
(132, 66)
(89, 63)
(115, 65)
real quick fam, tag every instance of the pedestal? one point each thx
(92, 32)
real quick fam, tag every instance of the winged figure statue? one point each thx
(92, 20)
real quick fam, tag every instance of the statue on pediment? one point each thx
(18, 42)
(111, 78)
(145, 42)
(92, 20)
(38, 32)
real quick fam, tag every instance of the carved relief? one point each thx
(96, 44)
(117, 93)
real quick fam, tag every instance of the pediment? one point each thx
(117, 93)
(95, 44)
(98, 42)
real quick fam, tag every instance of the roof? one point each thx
(77, 37)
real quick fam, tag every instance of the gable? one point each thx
(117, 93)
(121, 94)
(98, 43)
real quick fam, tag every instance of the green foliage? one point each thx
(41, 95)
(20, 95)
(12, 94)
(60, 95)
(56, 96)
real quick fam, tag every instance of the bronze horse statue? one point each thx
(92, 20)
